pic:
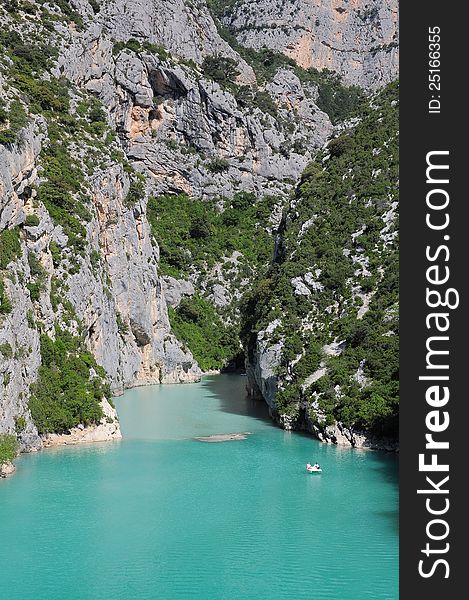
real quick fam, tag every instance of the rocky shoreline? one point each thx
(262, 384)
(337, 434)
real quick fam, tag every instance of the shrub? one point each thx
(20, 424)
(49, 96)
(30, 319)
(10, 246)
(121, 324)
(31, 221)
(26, 57)
(6, 350)
(5, 302)
(60, 194)
(95, 6)
(38, 273)
(56, 253)
(218, 165)
(64, 394)
(263, 100)
(16, 118)
(211, 342)
(340, 145)
(136, 193)
(35, 289)
(221, 69)
(35, 267)
(338, 101)
(136, 46)
(8, 447)
(192, 232)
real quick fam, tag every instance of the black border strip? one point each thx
(421, 133)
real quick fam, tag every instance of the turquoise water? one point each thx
(163, 516)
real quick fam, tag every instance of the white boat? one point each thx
(313, 468)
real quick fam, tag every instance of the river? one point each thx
(163, 516)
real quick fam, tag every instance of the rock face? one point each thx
(348, 436)
(261, 367)
(355, 38)
(175, 123)
(176, 289)
(184, 29)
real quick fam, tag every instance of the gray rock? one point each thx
(357, 39)
(175, 289)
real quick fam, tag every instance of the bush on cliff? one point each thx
(10, 247)
(66, 393)
(8, 447)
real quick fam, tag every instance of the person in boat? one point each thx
(316, 466)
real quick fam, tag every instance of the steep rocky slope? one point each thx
(356, 38)
(321, 328)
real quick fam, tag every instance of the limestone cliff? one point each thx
(356, 38)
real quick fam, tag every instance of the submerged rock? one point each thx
(224, 437)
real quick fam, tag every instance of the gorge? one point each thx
(181, 195)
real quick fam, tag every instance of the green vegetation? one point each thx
(26, 57)
(8, 447)
(38, 276)
(20, 424)
(221, 69)
(136, 191)
(218, 165)
(348, 189)
(65, 394)
(29, 61)
(11, 122)
(30, 319)
(95, 5)
(196, 323)
(6, 350)
(10, 246)
(194, 237)
(338, 101)
(31, 221)
(47, 97)
(121, 324)
(5, 302)
(60, 192)
(138, 46)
